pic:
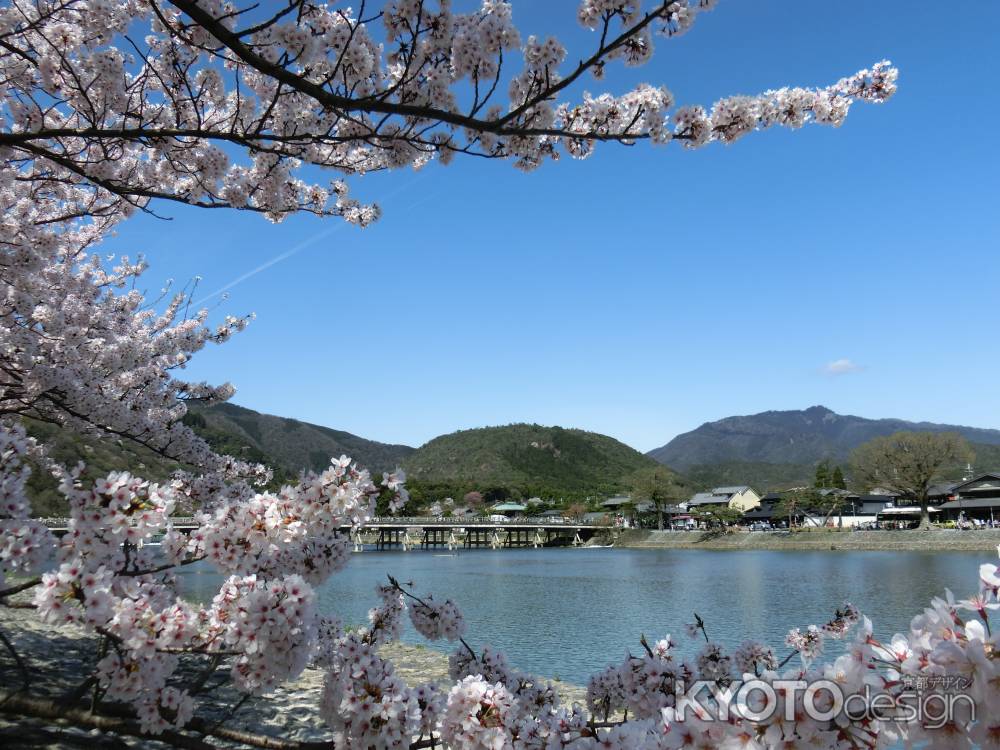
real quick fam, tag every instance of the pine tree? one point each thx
(822, 475)
(838, 479)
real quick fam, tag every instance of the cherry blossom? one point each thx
(113, 107)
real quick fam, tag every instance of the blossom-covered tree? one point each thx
(112, 107)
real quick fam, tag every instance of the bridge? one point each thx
(427, 532)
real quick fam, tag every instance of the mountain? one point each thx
(789, 443)
(288, 443)
(527, 459)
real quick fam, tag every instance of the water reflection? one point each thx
(569, 612)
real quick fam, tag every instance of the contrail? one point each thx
(276, 259)
(304, 244)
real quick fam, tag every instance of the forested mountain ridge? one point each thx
(287, 443)
(527, 459)
(792, 437)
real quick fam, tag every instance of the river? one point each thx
(567, 613)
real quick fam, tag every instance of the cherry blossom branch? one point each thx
(21, 666)
(19, 705)
(23, 586)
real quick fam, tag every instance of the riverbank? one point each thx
(934, 540)
(57, 657)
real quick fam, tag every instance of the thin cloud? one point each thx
(841, 367)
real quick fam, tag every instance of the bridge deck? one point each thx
(378, 523)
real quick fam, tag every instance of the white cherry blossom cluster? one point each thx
(365, 703)
(120, 506)
(299, 529)
(24, 544)
(478, 715)
(270, 629)
(752, 657)
(129, 101)
(271, 624)
(387, 618)
(533, 694)
(74, 594)
(81, 347)
(809, 644)
(734, 117)
(112, 107)
(435, 621)
(143, 684)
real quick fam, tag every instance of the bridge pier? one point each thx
(437, 537)
(389, 537)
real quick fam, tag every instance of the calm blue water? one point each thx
(569, 612)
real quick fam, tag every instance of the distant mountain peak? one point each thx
(804, 436)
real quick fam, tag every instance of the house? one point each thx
(766, 513)
(868, 505)
(978, 497)
(703, 499)
(740, 497)
(942, 493)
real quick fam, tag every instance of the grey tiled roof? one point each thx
(707, 498)
(730, 490)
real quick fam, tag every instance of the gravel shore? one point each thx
(58, 658)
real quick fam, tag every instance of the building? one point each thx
(741, 498)
(868, 505)
(764, 512)
(977, 498)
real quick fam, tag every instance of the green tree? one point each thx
(660, 486)
(721, 515)
(795, 502)
(822, 475)
(908, 463)
(830, 503)
(837, 482)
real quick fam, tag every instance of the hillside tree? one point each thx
(908, 463)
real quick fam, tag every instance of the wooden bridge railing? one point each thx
(62, 523)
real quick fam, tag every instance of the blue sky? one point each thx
(644, 291)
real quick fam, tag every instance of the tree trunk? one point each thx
(659, 518)
(925, 516)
